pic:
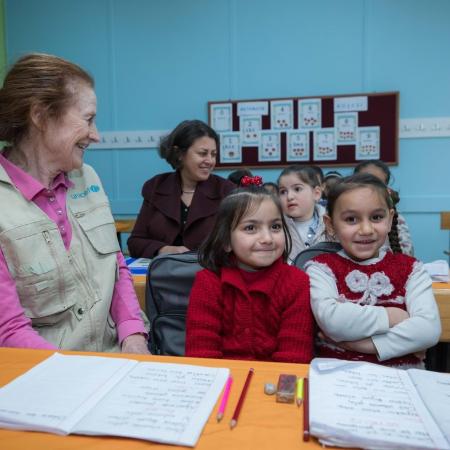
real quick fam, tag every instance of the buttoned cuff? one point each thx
(129, 327)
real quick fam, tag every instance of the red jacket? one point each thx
(268, 317)
(159, 220)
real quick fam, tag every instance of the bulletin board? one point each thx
(339, 130)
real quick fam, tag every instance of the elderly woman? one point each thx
(63, 280)
(179, 208)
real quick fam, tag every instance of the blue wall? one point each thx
(159, 62)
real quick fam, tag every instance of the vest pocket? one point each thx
(54, 335)
(37, 260)
(99, 227)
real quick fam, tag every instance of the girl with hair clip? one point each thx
(300, 190)
(248, 303)
(370, 304)
(399, 239)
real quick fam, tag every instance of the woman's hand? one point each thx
(173, 249)
(135, 343)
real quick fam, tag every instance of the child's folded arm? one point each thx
(342, 321)
(422, 329)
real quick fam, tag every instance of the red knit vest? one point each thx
(382, 284)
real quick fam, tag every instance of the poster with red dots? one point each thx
(269, 148)
(332, 130)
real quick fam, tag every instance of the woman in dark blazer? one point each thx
(180, 207)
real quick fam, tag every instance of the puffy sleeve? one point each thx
(422, 329)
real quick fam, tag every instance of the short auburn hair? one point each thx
(37, 79)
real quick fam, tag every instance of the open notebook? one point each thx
(94, 395)
(358, 404)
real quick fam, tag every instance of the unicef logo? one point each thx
(92, 188)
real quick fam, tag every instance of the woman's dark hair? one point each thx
(213, 253)
(376, 163)
(37, 80)
(360, 180)
(181, 138)
(237, 175)
(307, 174)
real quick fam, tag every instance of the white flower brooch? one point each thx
(377, 285)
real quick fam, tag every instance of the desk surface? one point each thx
(263, 423)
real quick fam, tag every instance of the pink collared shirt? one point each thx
(15, 328)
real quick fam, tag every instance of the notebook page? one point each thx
(46, 397)
(168, 403)
(370, 406)
(434, 389)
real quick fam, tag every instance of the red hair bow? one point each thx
(247, 181)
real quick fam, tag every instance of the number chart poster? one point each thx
(338, 130)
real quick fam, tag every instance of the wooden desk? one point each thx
(441, 293)
(139, 282)
(442, 296)
(124, 226)
(263, 423)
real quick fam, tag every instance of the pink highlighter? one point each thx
(223, 403)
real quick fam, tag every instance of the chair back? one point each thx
(315, 250)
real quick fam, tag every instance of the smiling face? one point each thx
(258, 239)
(361, 221)
(66, 138)
(199, 160)
(298, 198)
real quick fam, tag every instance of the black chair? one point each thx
(315, 250)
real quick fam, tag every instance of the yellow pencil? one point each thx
(299, 399)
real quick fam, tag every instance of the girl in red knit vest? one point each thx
(248, 303)
(370, 304)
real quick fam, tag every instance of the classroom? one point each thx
(157, 63)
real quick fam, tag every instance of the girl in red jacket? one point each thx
(248, 303)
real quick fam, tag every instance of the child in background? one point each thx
(300, 190)
(329, 180)
(370, 304)
(248, 303)
(237, 175)
(399, 237)
(271, 187)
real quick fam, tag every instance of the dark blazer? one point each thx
(159, 220)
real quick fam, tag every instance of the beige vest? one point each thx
(66, 293)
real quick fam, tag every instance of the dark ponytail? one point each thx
(394, 240)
